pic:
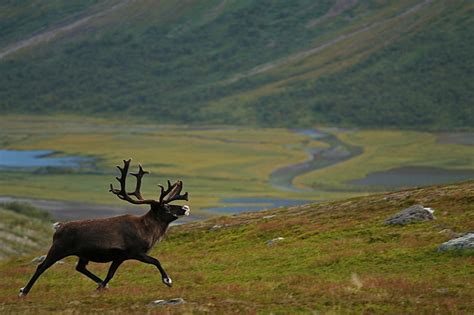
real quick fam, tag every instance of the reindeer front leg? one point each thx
(153, 261)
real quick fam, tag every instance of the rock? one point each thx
(269, 216)
(356, 281)
(416, 213)
(176, 301)
(273, 241)
(460, 243)
(38, 260)
(443, 291)
(215, 227)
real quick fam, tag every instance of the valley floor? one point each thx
(222, 163)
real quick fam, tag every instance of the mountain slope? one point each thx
(334, 257)
(23, 229)
(20, 19)
(367, 63)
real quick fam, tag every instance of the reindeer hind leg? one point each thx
(53, 256)
(81, 267)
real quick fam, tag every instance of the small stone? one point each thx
(273, 241)
(356, 281)
(443, 291)
(38, 260)
(416, 213)
(215, 227)
(176, 301)
(269, 216)
(460, 243)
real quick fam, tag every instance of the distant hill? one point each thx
(405, 64)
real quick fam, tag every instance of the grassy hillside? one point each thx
(21, 19)
(23, 229)
(335, 257)
(272, 63)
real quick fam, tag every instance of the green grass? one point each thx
(336, 257)
(27, 210)
(173, 62)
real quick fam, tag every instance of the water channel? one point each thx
(336, 152)
(14, 159)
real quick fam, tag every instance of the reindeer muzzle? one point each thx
(186, 210)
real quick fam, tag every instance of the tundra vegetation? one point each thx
(334, 257)
(23, 228)
(215, 162)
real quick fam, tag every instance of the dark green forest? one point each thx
(405, 64)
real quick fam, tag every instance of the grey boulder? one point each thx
(176, 301)
(415, 213)
(464, 242)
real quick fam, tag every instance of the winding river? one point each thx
(337, 152)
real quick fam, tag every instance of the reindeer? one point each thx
(119, 238)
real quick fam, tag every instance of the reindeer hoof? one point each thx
(22, 292)
(168, 282)
(102, 287)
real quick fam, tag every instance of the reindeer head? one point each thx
(162, 208)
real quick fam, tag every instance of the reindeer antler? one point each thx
(122, 193)
(139, 176)
(172, 193)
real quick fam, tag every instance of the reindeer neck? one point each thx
(154, 225)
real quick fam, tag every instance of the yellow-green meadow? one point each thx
(215, 162)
